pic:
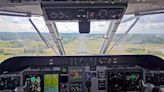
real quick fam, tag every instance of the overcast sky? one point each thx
(146, 24)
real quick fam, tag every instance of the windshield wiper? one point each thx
(42, 37)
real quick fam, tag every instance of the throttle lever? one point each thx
(21, 89)
(148, 87)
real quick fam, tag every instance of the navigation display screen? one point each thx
(42, 82)
(51, 83)
(33, 82)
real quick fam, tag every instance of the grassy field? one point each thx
(92, 47)
(29, 47)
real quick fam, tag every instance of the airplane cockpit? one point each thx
(81, 71)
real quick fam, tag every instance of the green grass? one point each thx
(36, 48)
(3, 57)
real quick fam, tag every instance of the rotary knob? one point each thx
(53, 15)
(103, 13)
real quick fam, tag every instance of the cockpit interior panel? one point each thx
(81, 73)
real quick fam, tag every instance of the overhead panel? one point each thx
(83, 11)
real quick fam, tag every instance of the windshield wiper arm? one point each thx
(42, 37)
(109, 36)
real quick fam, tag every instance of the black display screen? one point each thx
(42, 82)
(34, 83)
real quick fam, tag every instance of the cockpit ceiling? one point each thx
(144, 7)
(34, 9)
(134, 6)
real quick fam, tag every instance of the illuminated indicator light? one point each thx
(33, 79)
(92, 14)
(84, 16)
(78, 16)
(133, 77)
(64, 70)
(38, 79)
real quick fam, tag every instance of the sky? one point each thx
(146, 24)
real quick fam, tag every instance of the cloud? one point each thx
(20, 24)
(156, 18)
(14, 27)
(146, 24)
(11, 19)
(1, 19)
(67, 27)
(143, 28)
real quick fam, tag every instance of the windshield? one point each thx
(19, 38)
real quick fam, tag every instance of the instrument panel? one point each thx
(80, 73)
